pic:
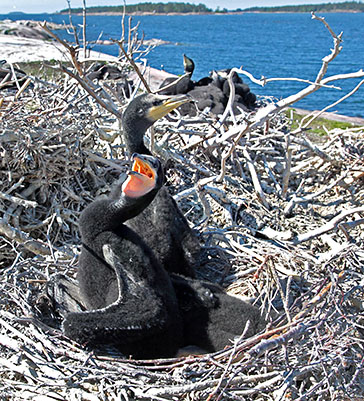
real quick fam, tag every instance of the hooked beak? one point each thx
(168, 103)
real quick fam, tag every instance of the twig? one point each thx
(255, 179)
(331, 225)
(133, 64)
(175, 82)
(84, 28)
(105, 104)
(18, 201)
(33, 245)
(71, 50)
(315, 115)
(287, 171)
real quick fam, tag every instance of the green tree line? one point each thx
(182, 8)
(348, 5)
(148, 7)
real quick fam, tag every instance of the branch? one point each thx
(33, 245)
(72, 50)
(229, 106)
(18, 201)
(255, 179)
(316, 114)
(108, 106)
(133, 64)
(331, 225)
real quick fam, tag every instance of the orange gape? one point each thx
(140, 183)
(143, 168)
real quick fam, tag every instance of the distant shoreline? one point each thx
(212, 13)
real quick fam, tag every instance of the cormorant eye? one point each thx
(140, 112)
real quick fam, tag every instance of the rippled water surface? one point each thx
(273, 45)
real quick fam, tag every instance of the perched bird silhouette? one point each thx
(183, 85)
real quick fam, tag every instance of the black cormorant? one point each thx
(161, 225)
(212, 319)
(102, 71)
(184, 85)
(128, 297)
(211, 93)
(125, 298)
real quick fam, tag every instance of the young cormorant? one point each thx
(211, 317)
(161, 225)
(211, 93)
(125, 298)
(128, 296)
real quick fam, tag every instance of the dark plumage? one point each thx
(102, 71)
(211, 317)
(161, 225)
(211, 93)
(125, 298)
(210, 97)
(184, 85)
(128, 296)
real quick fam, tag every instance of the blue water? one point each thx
(272, 45)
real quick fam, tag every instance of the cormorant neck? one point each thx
(138, 148)
(109, 214)
(134, 131)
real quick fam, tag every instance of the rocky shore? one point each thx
(26, 41)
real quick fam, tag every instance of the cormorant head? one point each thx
(146, 176)
(142, 113)
(188, 65)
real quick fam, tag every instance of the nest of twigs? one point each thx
(282, 226)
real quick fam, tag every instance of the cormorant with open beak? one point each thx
(162, 225)
(128, 298)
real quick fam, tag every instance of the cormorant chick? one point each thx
(211, 93)
(128, 296)
(211, 317)
(161, 225)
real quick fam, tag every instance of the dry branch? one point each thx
(55, 158)
(21, 237)
(331, 225)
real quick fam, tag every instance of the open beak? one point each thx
(167, 104)
(141, 179)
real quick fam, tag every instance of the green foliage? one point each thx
(159, 8)
(317, 126)
(43, 70)
(306, 8)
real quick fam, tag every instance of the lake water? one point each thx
(272, 45)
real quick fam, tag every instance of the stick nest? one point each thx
(281, 227)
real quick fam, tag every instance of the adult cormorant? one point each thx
(161, 225)
(128, 297)
(184, 85)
